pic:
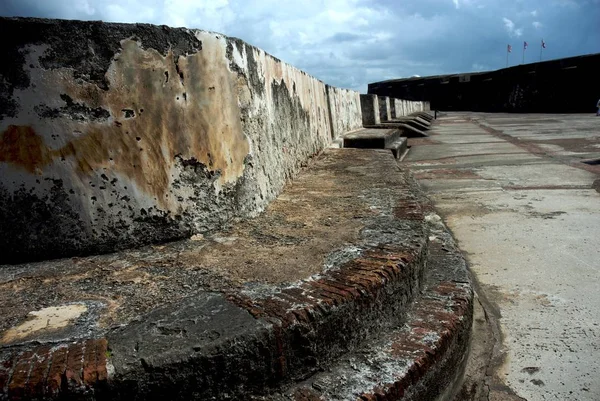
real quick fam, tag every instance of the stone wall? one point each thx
(119, 135)
(385, 112)
(369, 108)
(345, 111)
(401, 107)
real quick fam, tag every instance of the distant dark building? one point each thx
(568, 85)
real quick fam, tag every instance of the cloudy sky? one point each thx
(349, 43)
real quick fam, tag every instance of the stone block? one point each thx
(369, 107)
(384, 108)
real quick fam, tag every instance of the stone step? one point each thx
(405, 129)
(423, 121)
(412, 121)
(426, 115)
(337, 258)
(377, 139)
(370, 138)
(399, 147)
(414, 117)
(423, 358)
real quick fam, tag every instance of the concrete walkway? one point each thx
(525, 211)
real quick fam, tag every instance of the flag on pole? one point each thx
(542, 48)
(509, 48)
(525, 45)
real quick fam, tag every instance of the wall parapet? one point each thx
(118, 135)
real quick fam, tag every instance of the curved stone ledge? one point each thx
(421, 359)
(255, 338)
(364, 323)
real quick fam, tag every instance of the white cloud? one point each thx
(508, 24)
(510, 27)
(456, 4)
(537, 24)
(534, 13)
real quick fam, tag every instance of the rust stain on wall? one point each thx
(160, 109)
(21, 146)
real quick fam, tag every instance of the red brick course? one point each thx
(439, 318)
(48, 371)
(358, 279)
(430, 344)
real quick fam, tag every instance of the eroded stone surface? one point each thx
(49, 325)
(47, 319)
(318, 220)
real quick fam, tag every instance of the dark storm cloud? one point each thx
(349, 43)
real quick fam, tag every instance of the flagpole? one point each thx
(507, 57)
(541, 48)
(523, 62)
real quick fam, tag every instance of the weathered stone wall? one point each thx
(401, 107)
(369, 107)
(118, 135)
(384, 108)
(345, 114)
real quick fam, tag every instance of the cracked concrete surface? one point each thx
(525, 211)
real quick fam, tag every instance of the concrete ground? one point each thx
(525, 210)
